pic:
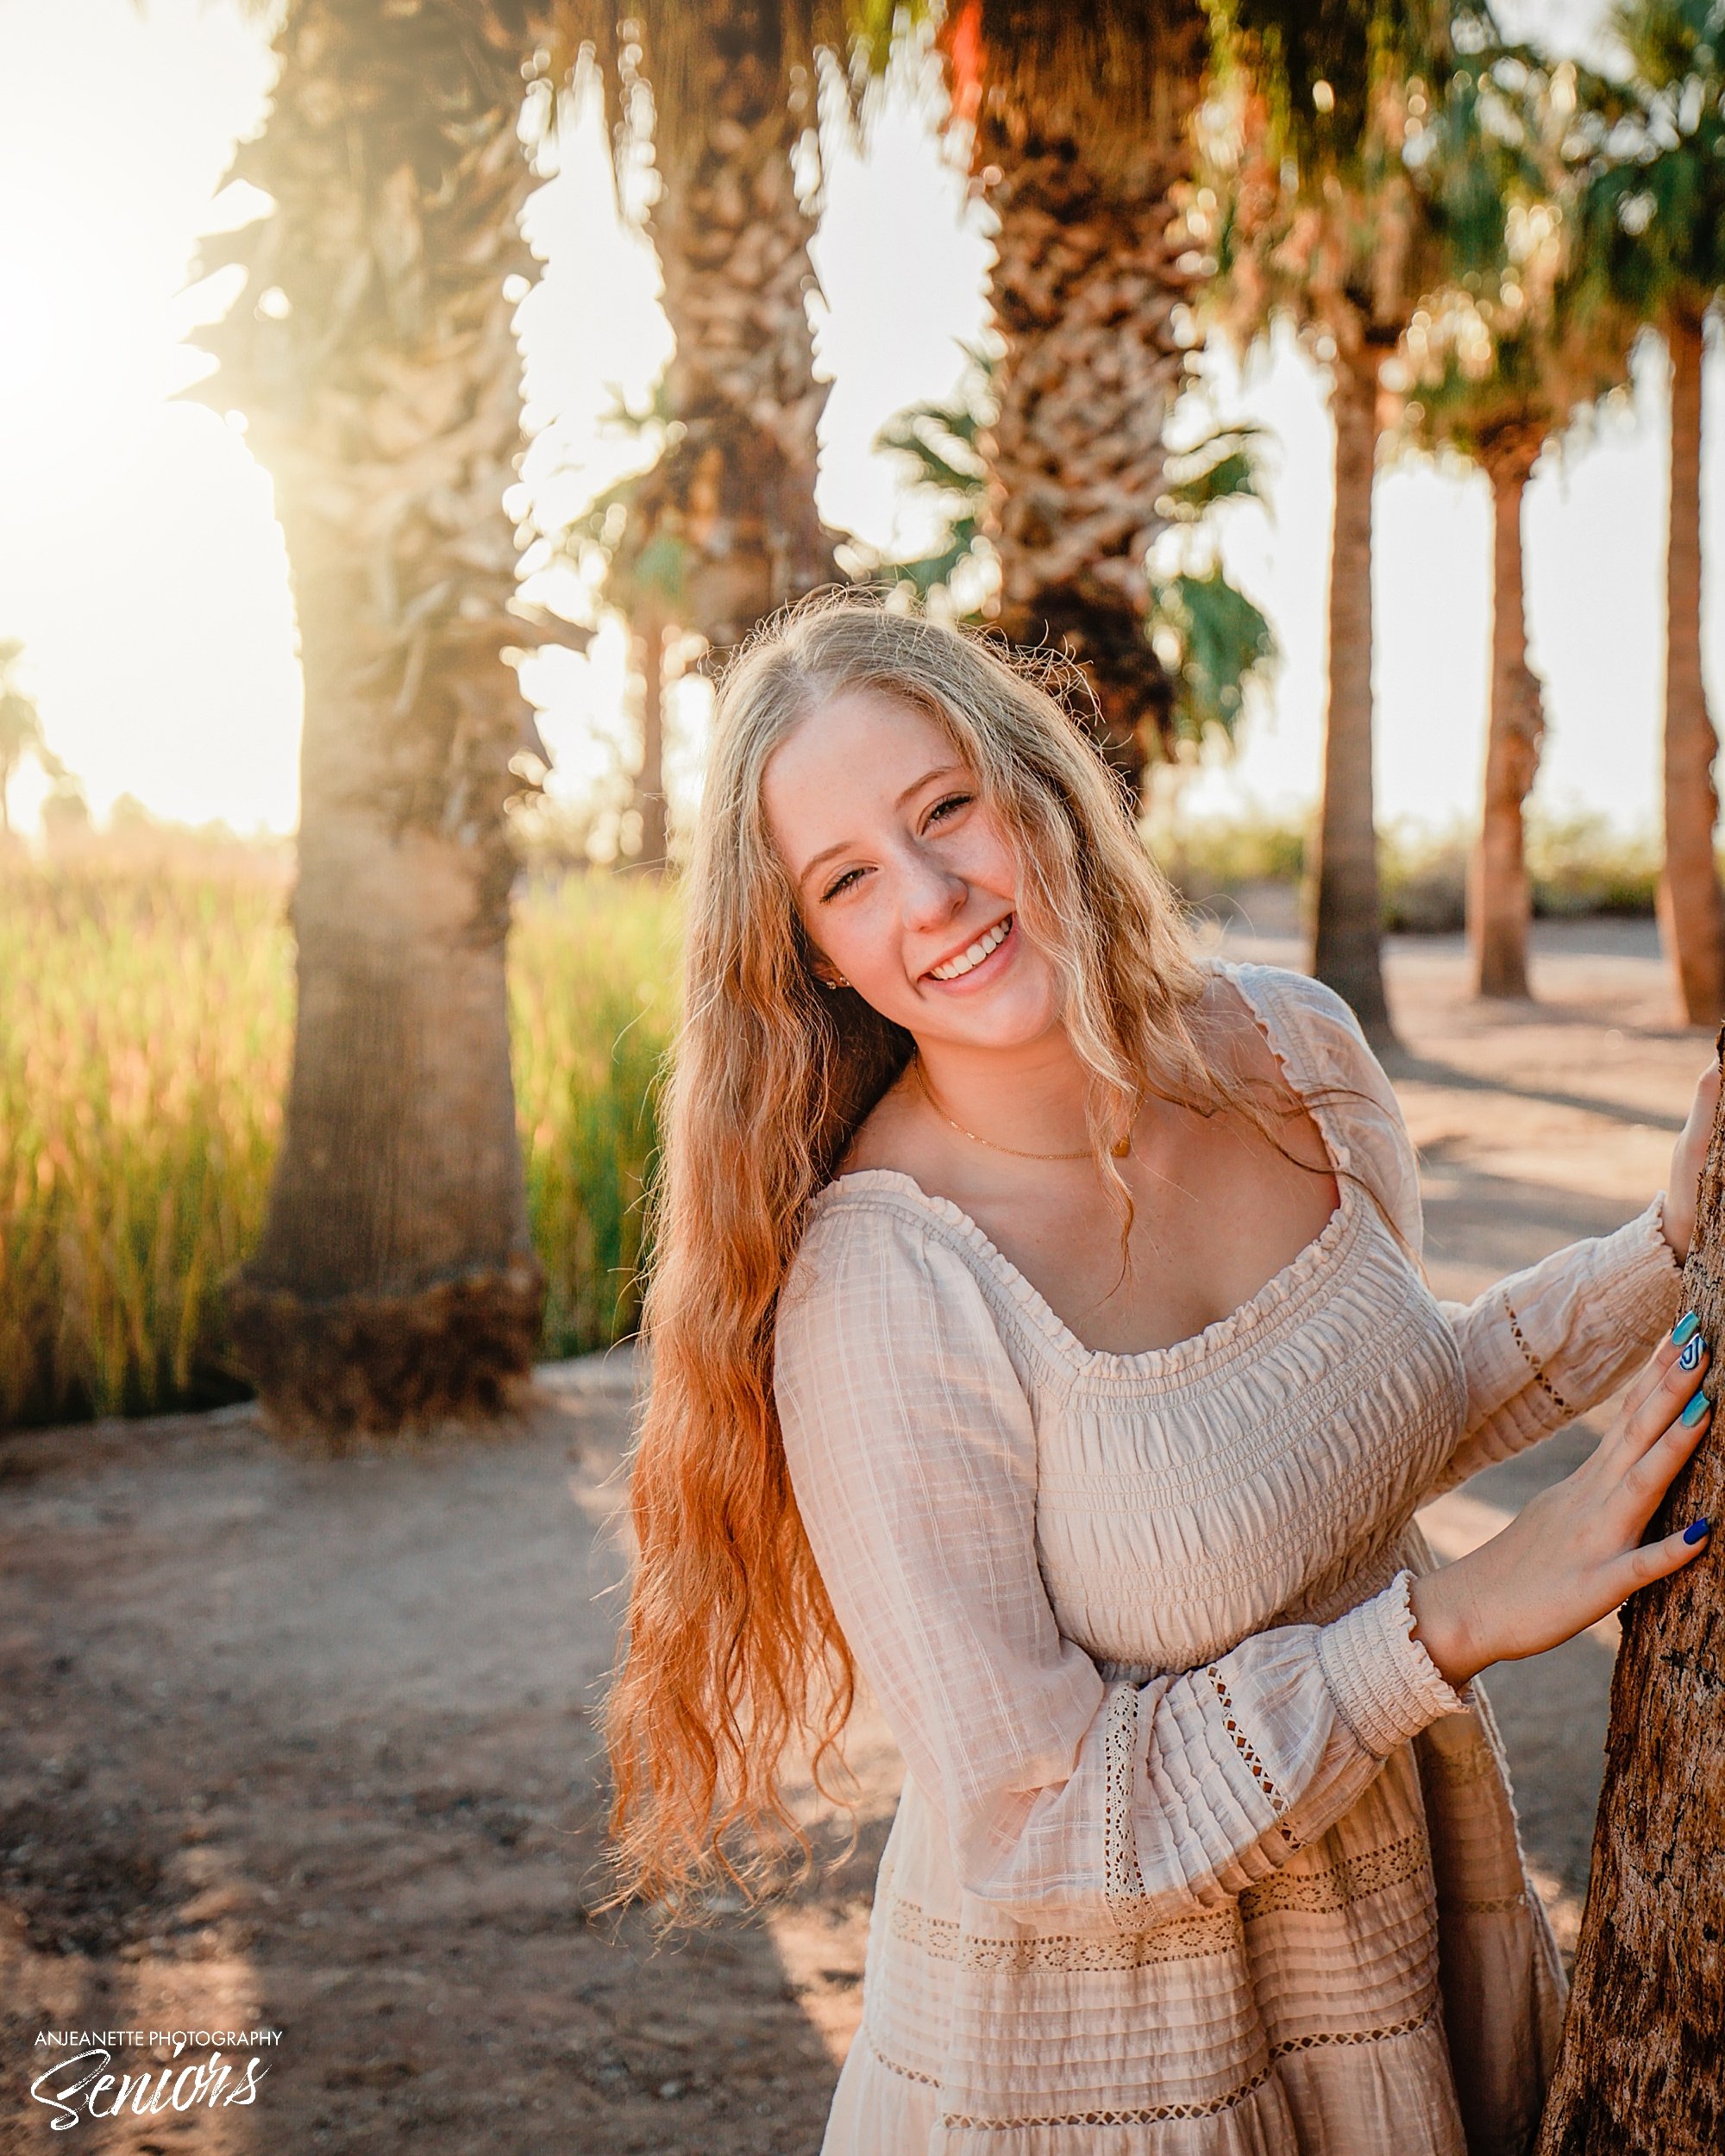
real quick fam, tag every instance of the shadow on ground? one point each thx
(307, 1745)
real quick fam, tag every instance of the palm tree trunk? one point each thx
(649, 781)
(1346, 946)
(1499, 900)
(733, 494)
(1691, 910)
(1642, 2071)
(1088, 287)
(373, 351)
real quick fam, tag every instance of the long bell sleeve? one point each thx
(912, 1456)
(1547, 1344)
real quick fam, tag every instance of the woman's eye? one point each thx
(941, 809)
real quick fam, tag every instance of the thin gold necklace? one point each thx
(1017, 1152)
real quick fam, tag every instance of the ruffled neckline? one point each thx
(1281, 1290)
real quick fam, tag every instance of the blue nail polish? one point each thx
(1695, 1530)
(1685, 1329)
(1690, 1358)
(1695, 1409)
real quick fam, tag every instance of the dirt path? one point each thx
(307, 1747)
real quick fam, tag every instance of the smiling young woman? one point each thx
(1037, 1328)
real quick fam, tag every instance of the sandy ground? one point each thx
(308, 1746)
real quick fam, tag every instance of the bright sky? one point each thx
(139, 561)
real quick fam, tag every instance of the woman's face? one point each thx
(907, 883)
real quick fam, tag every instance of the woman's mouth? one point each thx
(967, 960)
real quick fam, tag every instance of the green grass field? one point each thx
(146, 1027)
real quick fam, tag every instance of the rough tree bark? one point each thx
(373, 351)
(1080, 144)
(1641, 2071)
(1692, 907)
(726, 518)
(1347, 943)
(1499, 899)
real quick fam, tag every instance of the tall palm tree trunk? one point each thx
(1692, 909)
(732, 497)
(372, 353)
(1080, 142)
(649, 781)
(1346, 944)
(1641, 2071)
(1085, 290)
(1499, 897)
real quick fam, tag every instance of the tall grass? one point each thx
(146, 1024)
(591, 979)
(146, 1032)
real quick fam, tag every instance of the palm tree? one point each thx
(1494, 373)
(372, 356)
(1322, 203)
(725, 523)
(1212, 640)
(642, 565)
(1654, 245)
(1079, 118)
(1209, 639)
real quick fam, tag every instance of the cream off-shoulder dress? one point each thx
(1197, 1854)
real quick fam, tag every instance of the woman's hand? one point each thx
(1688, 1156)
(1574, 1551)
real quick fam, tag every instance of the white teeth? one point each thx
(978, 951)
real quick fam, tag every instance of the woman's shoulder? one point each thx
(876, 1226)
(1328, 1060)
(1303, 1014)
(880, 1259)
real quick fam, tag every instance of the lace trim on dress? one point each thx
(1243, 1746)
(1333, 1886)
(1534, 1364)
(1151, 2114)
(1123, 1880)
(1476, 1764)
(1147, 2114)
(1500, 1905)
(1184, 1939)
(892, 2065)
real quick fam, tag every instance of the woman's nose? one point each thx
(932, 892)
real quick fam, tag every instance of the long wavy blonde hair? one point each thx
(732, 1652)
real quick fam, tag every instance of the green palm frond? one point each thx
(1213, 642)
(929, 434)
(1225, 465)
(1352, 153)
(1653, 209)
(939, 440)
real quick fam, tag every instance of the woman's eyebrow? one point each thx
(844, 846)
